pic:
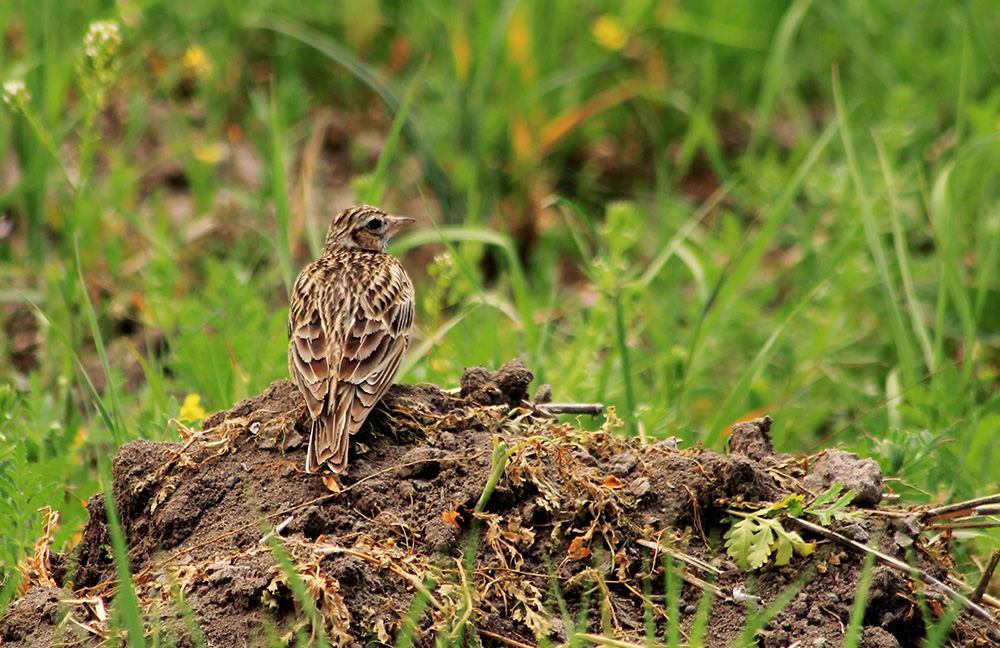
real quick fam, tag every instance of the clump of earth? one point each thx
(474, 516)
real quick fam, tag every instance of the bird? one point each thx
(349, 326)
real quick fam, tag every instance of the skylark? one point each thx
(348, 329)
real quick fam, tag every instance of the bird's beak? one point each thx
(395, 222)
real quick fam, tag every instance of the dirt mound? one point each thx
(466, 514)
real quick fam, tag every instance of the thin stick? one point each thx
(949, 510)
(964, 525)
(965, 587)
(549, 410)
(538, 409)
(984, 580)
(276, 530)
(683, 557)
(616, 643)
(594, 409)
(506, 640)
(896, 564)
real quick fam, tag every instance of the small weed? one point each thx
(761, 534)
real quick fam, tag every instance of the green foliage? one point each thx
(751, 540)
(831, 505)
(675, 208)
(127, 612)
(22, 520)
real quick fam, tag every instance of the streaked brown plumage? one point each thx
(348, 329)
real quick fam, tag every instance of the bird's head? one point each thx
(363, 227)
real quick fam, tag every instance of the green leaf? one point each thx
(825, 511)
(791, 505)
(763, 538)
(739, 540)
(783, 553)
(827, 496)
(789, 542)
(804, 548)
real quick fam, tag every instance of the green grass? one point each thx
(697, 212)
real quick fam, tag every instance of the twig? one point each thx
(964, 525)
(952, 510)
(537, 409)
(705, 585)
(549, 410)
(683, 557)
(694, 562)
(507, 640)
(594, 409)
(987, 600)
(896, 564)
(984, 580)
(276, 530)
(616, 643)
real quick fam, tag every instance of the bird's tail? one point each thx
(328, 445)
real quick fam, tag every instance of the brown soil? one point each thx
(579, 520)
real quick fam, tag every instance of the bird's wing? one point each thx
(375, 343)
(371, 341)
(309, 343)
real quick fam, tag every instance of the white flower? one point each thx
(14, 91)
(103, 37)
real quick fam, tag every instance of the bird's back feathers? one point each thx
(349, 328)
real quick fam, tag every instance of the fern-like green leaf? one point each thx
(789, 542)
(760, 547)
(791, 505)
(827, 496)
(825, 508)
(739, 540)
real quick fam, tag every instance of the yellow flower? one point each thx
(609, 32)
(197, 62)
(191, 410)
(210, 153)
(78, 438)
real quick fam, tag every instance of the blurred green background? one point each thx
(697, 212)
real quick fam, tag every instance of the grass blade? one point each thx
(775, 71)
(375, 189)
(125, 598)
(106, 415)
(725, 412)
(299, 589)
(947, 234)
(853, 635)
(346, 58)
(904, 348)
(408, 627)
(622, 341)
(280, 186)
(118, 417)
(730, 283)
(899, 246)
(518, 280)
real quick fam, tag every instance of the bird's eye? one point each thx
(374, 224)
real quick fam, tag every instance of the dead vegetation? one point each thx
(474, 519)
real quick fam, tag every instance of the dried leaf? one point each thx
(517, 533)
(577, 550)
(452, 518)
(612, 482)
(34, 569)
(331, 483)
(382, 633)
